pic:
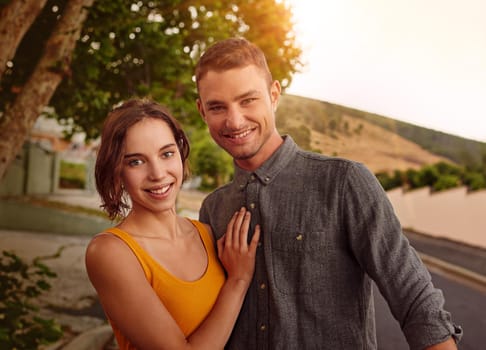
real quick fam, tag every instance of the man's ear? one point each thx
(200, 108)
(275, 91)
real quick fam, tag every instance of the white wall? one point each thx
(453, 214)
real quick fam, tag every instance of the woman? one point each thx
(156, 273)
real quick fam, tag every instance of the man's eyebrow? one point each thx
(214, 102)
(247, 94)
(130, 155)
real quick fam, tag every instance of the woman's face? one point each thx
(152, 170)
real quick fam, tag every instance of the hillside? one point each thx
(383, 144)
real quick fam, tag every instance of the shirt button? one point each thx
(267, 179)
(263, 286)
(252, 177)
(252, 205)
(263, 327)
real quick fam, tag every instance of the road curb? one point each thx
(471, 276)
(93, 339)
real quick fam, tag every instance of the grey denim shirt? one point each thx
(328, 230)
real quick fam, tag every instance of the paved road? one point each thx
(465, 298)
(465, 303)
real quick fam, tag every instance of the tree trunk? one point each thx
(16, 17)
(53, 66)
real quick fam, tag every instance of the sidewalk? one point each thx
(71, 301)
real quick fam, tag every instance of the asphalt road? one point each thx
(465, 299)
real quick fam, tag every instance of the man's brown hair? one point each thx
(232, 53)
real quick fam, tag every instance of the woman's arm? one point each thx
(238, 259)
(133, 306)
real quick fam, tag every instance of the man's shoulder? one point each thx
(217, 193)
(333, 161)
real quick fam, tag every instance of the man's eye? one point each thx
(216, 108)
(249, 100)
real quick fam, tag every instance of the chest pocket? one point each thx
(299, 261)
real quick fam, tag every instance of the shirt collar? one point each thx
(270, 168)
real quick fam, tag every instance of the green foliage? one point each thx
(20, 285)
(445, 182)
(474, 181)
(72, 175)
(148, 48)
(209, 161)
(439, 177)
(389, 182)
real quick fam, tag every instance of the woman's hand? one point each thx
(236, 255)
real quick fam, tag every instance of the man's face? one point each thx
(238, 107)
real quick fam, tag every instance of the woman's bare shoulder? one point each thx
(106, 250)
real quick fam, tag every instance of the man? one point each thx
(328, 228)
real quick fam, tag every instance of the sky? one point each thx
(419, 61)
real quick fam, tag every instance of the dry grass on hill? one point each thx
(377, 148)
(352, 137)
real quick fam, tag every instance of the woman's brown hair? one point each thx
(109, 160)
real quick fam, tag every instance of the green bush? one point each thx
(445, 182)
(72, 175)
(20, 285)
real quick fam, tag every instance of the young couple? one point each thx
(283, 257)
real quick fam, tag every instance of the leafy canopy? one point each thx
(149, 48)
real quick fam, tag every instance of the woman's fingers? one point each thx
(236, 235)
(234, 228)
(229, 230)
(245, 226)
(255, 239)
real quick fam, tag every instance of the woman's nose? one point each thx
(156, 171)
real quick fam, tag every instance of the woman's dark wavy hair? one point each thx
(109, 160)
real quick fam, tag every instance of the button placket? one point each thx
(260, 277)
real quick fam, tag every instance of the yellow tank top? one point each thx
(188, 302)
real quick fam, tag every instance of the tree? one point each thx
(17, 17)
(140, 48)
(19, 117)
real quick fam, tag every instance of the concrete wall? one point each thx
(36, 171)
(453, 214)
(40, 170)
(13, 183)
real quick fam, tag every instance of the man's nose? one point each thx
(235, 118)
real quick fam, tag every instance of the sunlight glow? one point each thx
(422, 62)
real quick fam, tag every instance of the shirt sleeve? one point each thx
(381, 248)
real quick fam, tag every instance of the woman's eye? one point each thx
(134, 162)
(168, 154)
